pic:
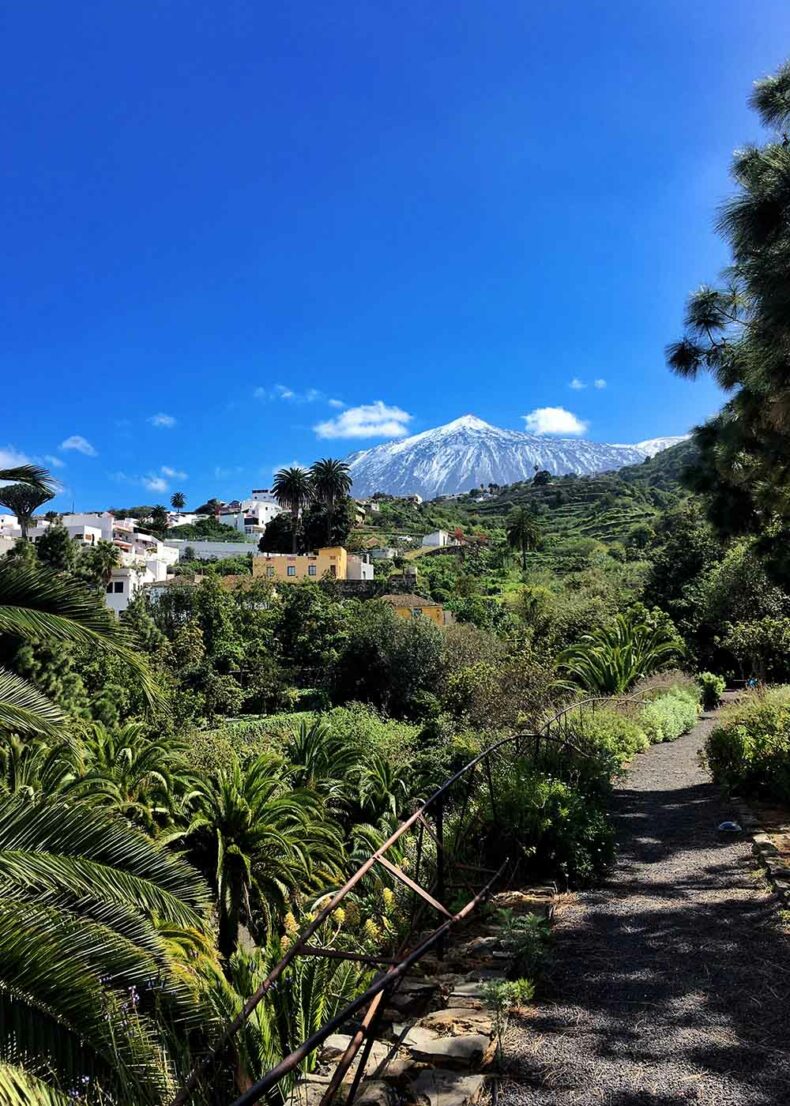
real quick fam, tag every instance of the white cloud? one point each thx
(53, 461)
(369, 420)
(577, 384)
(599, 383)
(155, 483)
(336, 403)
(553, 420)
(279, 391)
(173, 474)
(289, 465)
(163, 422)
(80, 444)
(11, 458)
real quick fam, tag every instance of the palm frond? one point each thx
(38, 604)
(24, 709)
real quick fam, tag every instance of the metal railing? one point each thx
(435, 856)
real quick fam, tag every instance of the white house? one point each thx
(252, 516)
(438, 539)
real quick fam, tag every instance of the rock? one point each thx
(439, 1087)
(468, 993)
(306, 1094)
(469, 1050)
(375, 1092)
(335, 1045)
(456, 1020)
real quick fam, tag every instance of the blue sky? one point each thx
(228, 224)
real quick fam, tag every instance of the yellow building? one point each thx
(332, 561)
(414, 606)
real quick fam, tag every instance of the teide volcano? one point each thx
(468, 452)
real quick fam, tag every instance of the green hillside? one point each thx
(605, 507)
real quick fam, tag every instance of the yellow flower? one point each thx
(340, 915)
(389, 898)
(371, 930)
(291, 927)
(285, 943)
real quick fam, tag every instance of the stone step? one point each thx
(468, 1050)
(441, 1087)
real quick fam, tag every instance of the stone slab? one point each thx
(440, 1087)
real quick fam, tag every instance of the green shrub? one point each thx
(547, 825)
(611, 731)
(711, 688)
(670, 715)
(749, 750)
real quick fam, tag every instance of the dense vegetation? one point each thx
(182, 788)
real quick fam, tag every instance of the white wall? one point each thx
(209, 550)
(437, 538)
(359, 569)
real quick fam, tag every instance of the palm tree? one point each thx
(523, 532)
(145, 779)
(331, 482)
(293, 490)
(40, 605)
(104, 945)
(22, 500)
(611, 659)
(264, 839)
(97, 562)
(178, 501)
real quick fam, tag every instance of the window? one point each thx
(311, 570)
(270, 570)
(416, 612)
(109, 587)
(333, 570)
(118, 586)
(291, 570)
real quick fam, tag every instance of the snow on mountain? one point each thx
(468, 451)
(657, 445)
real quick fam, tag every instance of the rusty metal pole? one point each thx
(440, 874)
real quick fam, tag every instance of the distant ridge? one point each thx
(468, 452)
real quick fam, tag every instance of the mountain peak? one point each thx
(469, 452)
(466, 422)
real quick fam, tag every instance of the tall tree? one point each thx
(331, 482)
(740, 333)
(178, 501)
(293, 490)
(523, 532)
(22, 500)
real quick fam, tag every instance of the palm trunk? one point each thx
(294, 527)
(329, 520)
(523, 558)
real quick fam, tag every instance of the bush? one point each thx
(711, 688)
(670, 715)
(612, 732)
(749, 751)
(554, 828)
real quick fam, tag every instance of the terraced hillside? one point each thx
(606, 507)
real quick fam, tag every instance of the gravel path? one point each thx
(669, 983)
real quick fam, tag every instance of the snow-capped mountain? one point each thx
(467, 452)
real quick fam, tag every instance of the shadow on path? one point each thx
(671, 981)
